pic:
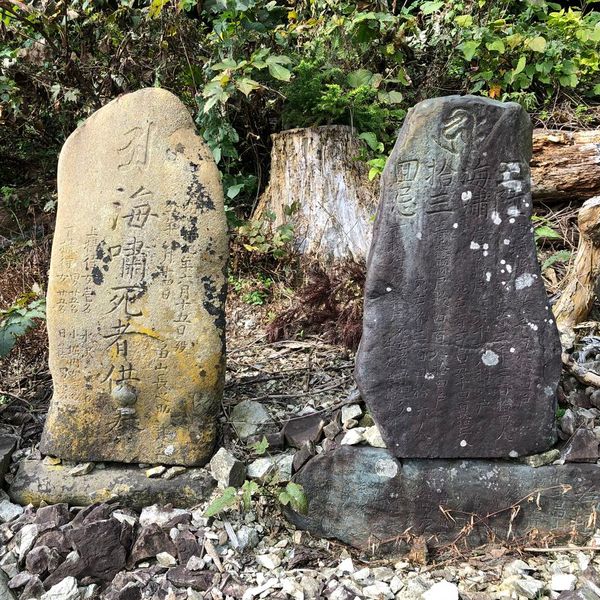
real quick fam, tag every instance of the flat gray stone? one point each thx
(37, 482)
(364, 496)
(455, 305)
(248, 417)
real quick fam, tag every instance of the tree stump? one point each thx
(318, 171)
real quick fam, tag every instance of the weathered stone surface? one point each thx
(248, 417)
(103, 547)
(151, 540)
(302, 456)
(64, 590)
(55, 539)
(33, 589)
(582, 447)
(197, 580)
(307, 428)
(227, 470)
(36, 483)
(7, 445)
(8, 510)
(365, 496)
(137, 288)
(50, 517)
(454, 300)
(5, 593)
(187, 546)
(43, 560)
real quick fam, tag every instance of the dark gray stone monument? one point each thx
(460, 355)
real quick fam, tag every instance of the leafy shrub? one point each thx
(248, 68)
(19, 319)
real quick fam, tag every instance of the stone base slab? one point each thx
(367, 498)
(37, 482)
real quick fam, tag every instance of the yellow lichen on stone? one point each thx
(137, 288)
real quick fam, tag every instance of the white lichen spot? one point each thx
(474, 246)
(490, 358)
(429, 376)
(502, 271)
(533, 326)
(488, 276)
(496, 218)
(525, 280)
(455, 225)
(419, 235)
(513, 454)
(466, 196)
(463, 443)
(509, 268)
(502, 262)
(511, 220)
(386, 467)
(514, 185)
(513, 211)
(409, 409)
(388, 289)
(506, 242)
(169, 450)
(485, 252)
(527, 204)
(503, 282)
(548, 391)
(485, 246)
(512, 350)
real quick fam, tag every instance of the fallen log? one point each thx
(565, 165)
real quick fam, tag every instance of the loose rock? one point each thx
(227, 470)
(248, 417)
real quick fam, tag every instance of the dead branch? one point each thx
(578, 296)
(579, 372)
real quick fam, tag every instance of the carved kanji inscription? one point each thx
(135, 337)
(460, 355)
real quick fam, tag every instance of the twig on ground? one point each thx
(586, 377)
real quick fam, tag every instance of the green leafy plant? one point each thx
(262, 237)
(292, 494)
(254, 290)
(562, 256)
(250, 68)
(17, 320)
(258, 296)
(261, 446)
(543, 229)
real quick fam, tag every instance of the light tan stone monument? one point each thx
(137, 288)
